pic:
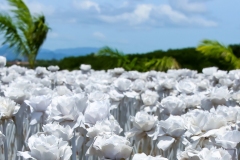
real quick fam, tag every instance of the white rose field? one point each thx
(52, 114)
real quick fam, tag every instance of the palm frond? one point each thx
(39, 32)
(107, 51)
(10, 32)
(214, 49)
(162, 64)
(21, 12)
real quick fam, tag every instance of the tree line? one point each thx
(159, 60)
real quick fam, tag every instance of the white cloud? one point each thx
(167, 12)
(53, 35)
(158, 15)
(179, 18)
(204, 22)
(86, 5)
(72, 20)
(99, 35)
(139, 15)
(188, 6)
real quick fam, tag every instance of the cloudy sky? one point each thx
(137, 25)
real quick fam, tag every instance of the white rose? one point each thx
(64, 109)
(105, 126)
(66, 133)
(53, 68)
(186, 86)
(169, 131)
(47, 147)
(149, 98)
(198, 121)
(110, 147)
(143, 156)
(38, 106)
(85, 67)
(8, 108)
(173, 105)
(96, 111)
(209, 71)
(214, 153)
(122, 84)
(143, 124)
(228, 139)
(219, 95)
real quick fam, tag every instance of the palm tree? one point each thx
(122, 58)
(23, 32)
(162, 64)
(214, 49)
(159, 64)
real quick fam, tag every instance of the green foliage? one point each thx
(114, 53)
(162, 64)
(24, 32)
(214, 49)
(187, 58)
(159, 64)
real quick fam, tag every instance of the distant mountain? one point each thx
(8, 53)
(45, 54)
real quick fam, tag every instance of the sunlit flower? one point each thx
(143, 156)
(38, 106)
(143, 124)
(110, 146)
(173, 105)
(53, 68)
(65, 133)
(47, 147)
(7, 108)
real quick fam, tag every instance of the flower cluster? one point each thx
(116, 114)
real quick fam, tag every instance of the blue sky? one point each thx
(136, 26)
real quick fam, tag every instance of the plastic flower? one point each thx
(186, 86)
(173, 105)
(65, 133)
(16, 94)
(214, 153)
(53, 68)
(110, 146)
(143, 156)
(47, 147)
(96, 111)
(198, 121)
(169, 130)
(7, 108)
(38, 106)
(85, 67)
(143, 124)
(219, 95)
(205, 154)
(122, 84)
(228, 139)
(209, 71)
(149, 98)
(105, 126)
(65, 110)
